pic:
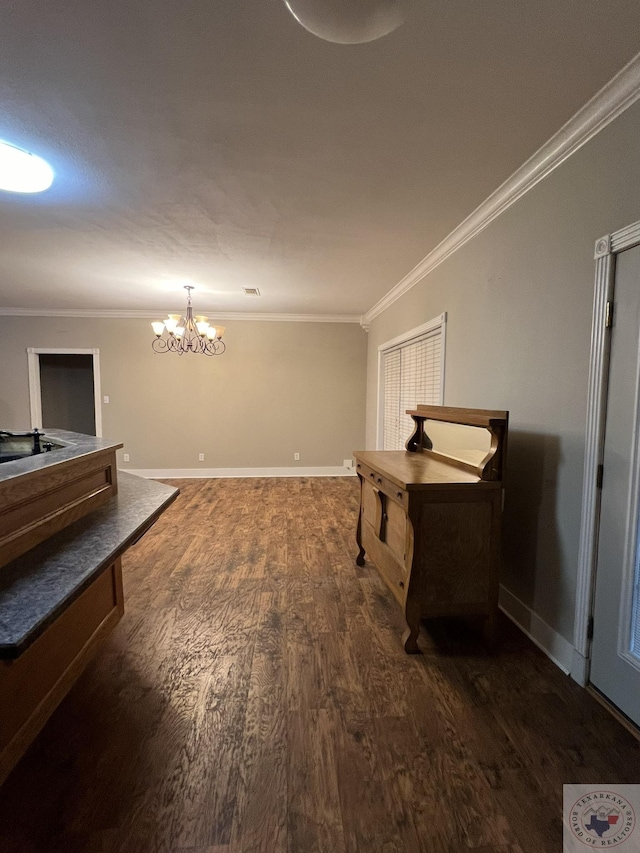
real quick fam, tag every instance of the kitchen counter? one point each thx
(64, 525)
(76, 446)
(36, 587)
(42, 494)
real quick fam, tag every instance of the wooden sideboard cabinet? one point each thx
(430, 516)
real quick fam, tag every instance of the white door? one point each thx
(615, 650)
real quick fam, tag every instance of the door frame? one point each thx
(606, 250)
(35, 391)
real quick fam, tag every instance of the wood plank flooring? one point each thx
(255, 698)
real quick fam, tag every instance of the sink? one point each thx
(11, 457)
(21, 445)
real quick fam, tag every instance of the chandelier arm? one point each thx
(159, 345)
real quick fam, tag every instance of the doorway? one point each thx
(608, 602)
(64, 389)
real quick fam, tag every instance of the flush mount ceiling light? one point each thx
(23, 172)
(348, 21)
(180, 335)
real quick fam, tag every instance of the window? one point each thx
(411, 371)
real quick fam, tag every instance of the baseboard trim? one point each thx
(207, 473)
(554, 645)
(580, 668)
(625, 721)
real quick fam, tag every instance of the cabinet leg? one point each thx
(360, 557)
(410, 636)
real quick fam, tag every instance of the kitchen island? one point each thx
(62, 597)
(44, 492)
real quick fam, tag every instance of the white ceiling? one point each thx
(221, 143)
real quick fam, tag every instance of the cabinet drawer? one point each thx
(391, 490)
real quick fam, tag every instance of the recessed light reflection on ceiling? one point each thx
(23, 172)
(350, 22)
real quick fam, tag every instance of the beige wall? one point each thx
(280, 388)
(519, 300)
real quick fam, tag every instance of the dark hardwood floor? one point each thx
(255, 697)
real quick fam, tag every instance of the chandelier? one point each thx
(186, 334)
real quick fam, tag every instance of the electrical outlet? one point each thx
(125, 457)
(105, 399)
(200, 457)
(348, 463)
(296, 457)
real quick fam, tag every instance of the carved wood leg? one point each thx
(410, 636)
(360, 557)
(414, 443)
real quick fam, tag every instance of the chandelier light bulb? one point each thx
(23, 172)
(158, 328)
(348, 21)
(202, 324)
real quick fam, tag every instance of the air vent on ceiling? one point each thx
(251, 291)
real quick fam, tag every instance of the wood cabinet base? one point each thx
(444, 562)
(34, 684)
(430, 520)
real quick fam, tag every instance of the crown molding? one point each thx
(612, 100)
(151, 315)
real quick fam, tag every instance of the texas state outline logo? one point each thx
(601, 818)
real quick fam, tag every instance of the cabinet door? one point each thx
(396, 530)
(371, 506)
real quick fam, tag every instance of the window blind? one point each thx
(411, 374)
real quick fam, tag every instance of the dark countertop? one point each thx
(38, 586)
(76, 445)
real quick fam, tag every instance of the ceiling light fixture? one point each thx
(23, 172)
(351, 22)
(180, 335)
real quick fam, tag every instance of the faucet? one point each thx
(35, 434)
